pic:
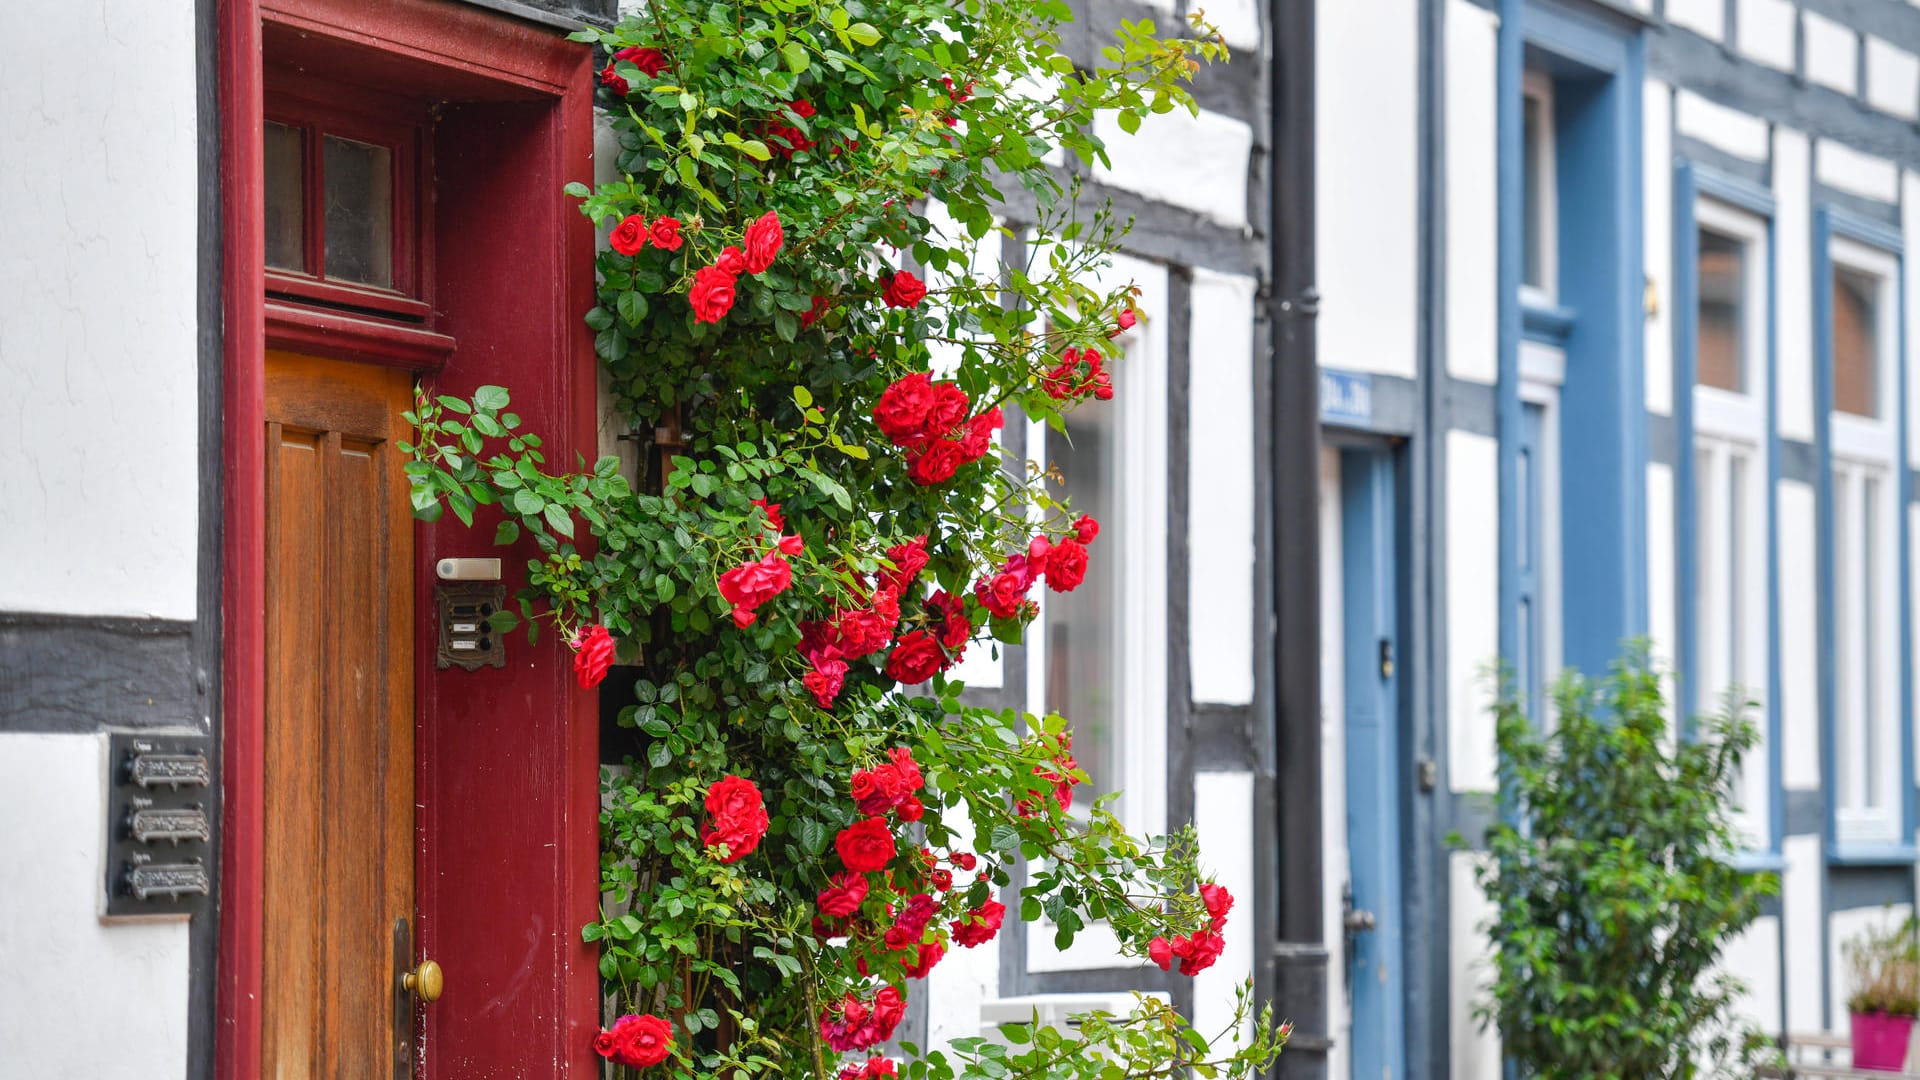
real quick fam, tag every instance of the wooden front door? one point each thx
(339, 724)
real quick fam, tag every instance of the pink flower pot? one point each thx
(1880, 1040)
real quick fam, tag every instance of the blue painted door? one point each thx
(1375, 778)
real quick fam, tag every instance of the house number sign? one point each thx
(159, 823)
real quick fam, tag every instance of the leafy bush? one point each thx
(815, 364)
(1612, 887)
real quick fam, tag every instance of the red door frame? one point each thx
(508, 758)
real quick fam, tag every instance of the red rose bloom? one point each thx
(665, 233)
(1200, 951)
(612, 81)
(942, 878)
(863, 785)
(825, 681)
(889, 1008)
(864, 631)
(866, 845)
(812, 314)
(936, 463)
(749, 585)
(1219, 901)
(731, 260)
(1127, 319)
(1003, 593)
(762, 242)
(712, 294)
(636, 1041)
(1086, 529)
(979, 437)
(978, 926)
(772, 510)
(929, 954)
(902, 759)
(739, 817)
(1160, 951)
(950, 616)
(651, 62)
(904, 290)
(1066, 566)
(911, 809)
(915, 658)
(629, 236)
(802, 108)
(908, 560)
(593, 654)
(842, 898)
(901, 413)
(965, 860)
(949, 408)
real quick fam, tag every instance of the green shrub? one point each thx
(1884, 964)
(1612, 888)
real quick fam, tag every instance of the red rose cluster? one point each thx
(1198, 950)
(785, 139)
(713, 288)
(736, 817)
(874, 1068)
(903, 290)
(592, 655)
(633, 234)
(890, 787)
(852, 1024)
(636, 1041)
(979, 925)
(651, 62)
(852, 633)
(1063, 565)
(751, 584)
(1078, 373)
(1060, 776)
(929, 420)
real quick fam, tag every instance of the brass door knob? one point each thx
(425, 981)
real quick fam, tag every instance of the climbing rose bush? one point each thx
(817, 325)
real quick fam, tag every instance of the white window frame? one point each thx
(1140, 393)
(1538, 86)
(1728, 424)
(1864, 598)
(1543, 371)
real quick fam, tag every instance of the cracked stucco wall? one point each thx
(98, 460)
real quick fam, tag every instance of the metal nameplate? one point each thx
(172, 825)
(168, 880)
(170, 770)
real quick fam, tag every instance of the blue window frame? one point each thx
(1864, 613)
(1727, 471)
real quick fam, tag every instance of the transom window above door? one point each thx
(344, 214)
(1539, 226)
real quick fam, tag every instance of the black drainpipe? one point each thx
(1296, 978)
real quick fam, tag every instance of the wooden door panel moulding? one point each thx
(519, 98)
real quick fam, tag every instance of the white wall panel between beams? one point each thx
(1832, 53)
(1223, 814)
(1195, 162)
(1764, 31)
(1656, 99)
(1893, 78)
(1474, 1051)
(1799, 643)
(1662, 626)
(1708, 18)
(1740, 134)
(1472, 257)
(1800, 911)
(1367, 167)
(1472, 605)
(1239, 24)
(1840, 166)
(1793, 278)
(1753, 957)
(68, 971)
(1220, 466)
(98, 356)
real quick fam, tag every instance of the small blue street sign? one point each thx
(1345, 398)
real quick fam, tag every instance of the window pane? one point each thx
(1083, 642)
(1533, 269)
(1867, 639)
(1720, 346)
(1856, 342)
(286, 198)
(1736, 571)
(359, 183)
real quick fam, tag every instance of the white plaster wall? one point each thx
(1840, 166)
(1472, 257)
(1738, 133)
(1366, 148)
(1793, 296)
(1198, 163)
(1893, 78)
(1474, 1052)
(1800, 911)
(1661, 596)
(1335, 864)
(1656, 100)
(965, 979)
(1708, 18)
(1842, 927)
(1832, 53)
(1764, 31)
(1220, 488)
(1799, 677)
(1473, 606)
(1223, 814)
(1754, 958)
(98, 438)
(67, 971)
